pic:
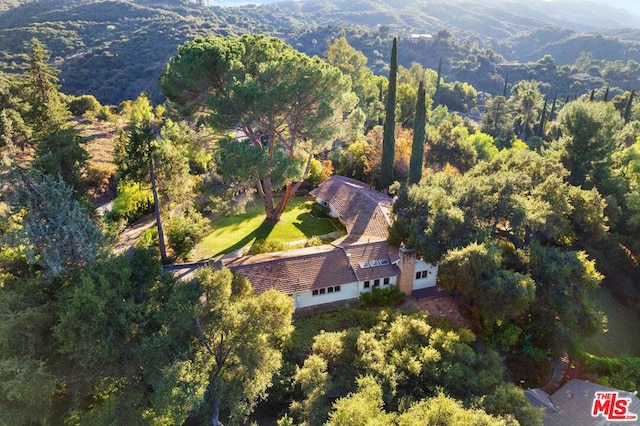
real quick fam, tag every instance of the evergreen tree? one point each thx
(57, 235)
(288, 105)
(553, 106)
(506, 83)
(388, 141)
(436, 94)
(47, 110)
(627, 108)
(6, 130)
(497, 122)
(543, 119)
(417, 149)
(61, 154)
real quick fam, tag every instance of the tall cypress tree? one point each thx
(417, 149)
(543, 118)
(389, 138)
(436, 95)
(506, 83)
(627, 108)
(553, 106)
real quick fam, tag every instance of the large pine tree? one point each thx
(389, 139)
(417, 149)
(47, 111)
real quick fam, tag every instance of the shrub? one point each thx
(315, 172)
(185, 230)
(267, 246)
(105, 114)
(148, 240)
(89, 116)
(621, 372)
(131, 203)
(314, 241)
(309, 326)
(382, 297)
(319, 211)
(79, 105)
(99, 177)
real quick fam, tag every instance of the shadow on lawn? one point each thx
(260, 233)
(312, 226)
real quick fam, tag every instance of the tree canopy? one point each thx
(285, 103)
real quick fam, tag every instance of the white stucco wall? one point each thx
(306, 298)
(392, 282)
(349, 291)
(332, 212)
(430, 279)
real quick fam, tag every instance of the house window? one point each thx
(376, 283)
(337, 288)
(424, 274)
(367, 284)
(386, 281)
(330, 290)
(323, 290)
(314, 293)
(418, 275)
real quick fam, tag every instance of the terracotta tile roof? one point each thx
(365, 211)
(314, 267)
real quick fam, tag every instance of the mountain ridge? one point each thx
(115, 49)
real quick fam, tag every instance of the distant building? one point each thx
(414, 38)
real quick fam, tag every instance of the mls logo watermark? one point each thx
(612, 407)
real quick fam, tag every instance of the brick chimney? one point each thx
(407, 267)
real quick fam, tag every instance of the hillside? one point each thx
(115, 49)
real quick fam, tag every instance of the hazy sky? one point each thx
(630, 5)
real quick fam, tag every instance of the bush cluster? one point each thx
(267, 246)
(382, 297)
(184, 231)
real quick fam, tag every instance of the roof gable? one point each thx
(364, 211)
(314, 267)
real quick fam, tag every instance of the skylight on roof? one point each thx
(383, 262)
(374, 263)
(364, 265)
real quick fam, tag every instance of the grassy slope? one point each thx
(234, 232)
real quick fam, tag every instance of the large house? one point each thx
(342, 270)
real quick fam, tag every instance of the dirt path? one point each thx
(129, 236)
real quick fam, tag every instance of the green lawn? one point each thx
(234, 232)
(621, 337)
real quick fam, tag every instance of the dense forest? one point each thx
(520, 179)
